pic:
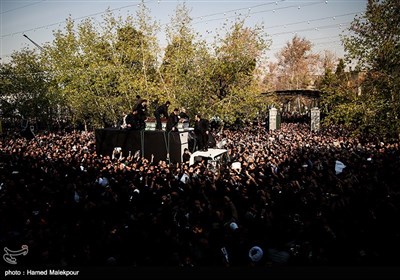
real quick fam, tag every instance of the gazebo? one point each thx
(296, 100)
(299, 105)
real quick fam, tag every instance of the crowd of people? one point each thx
(280, 203)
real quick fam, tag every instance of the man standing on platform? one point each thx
(201, 130)
(138, 100)
(132, 120)
(183, 116)
(161, 110)
(141, 109)
(173, 120)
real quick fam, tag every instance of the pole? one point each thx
(33, 42)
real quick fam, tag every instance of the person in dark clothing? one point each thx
(138, 100)
(141, 109)
(132, 121)
(161, 111)
(183, 116)
(201, 130)
(173, 120)
(186, 155)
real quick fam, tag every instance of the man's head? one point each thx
(176, 111)
(197, 117)
(167, 103)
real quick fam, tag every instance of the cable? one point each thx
(247, 8)
(27, 5)
(286, 7)
(311, 20)
(127, 6)
(313, 28)
(78, 18)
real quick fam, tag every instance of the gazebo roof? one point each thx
(304, 92)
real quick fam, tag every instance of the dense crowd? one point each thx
(284, 204)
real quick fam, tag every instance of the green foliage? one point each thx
(342, 104)
(336, 91)
(374, 46)
(24, 87)
(101, 73)
(366, 99)
(185, 64)
(235, 85)
(220, 84)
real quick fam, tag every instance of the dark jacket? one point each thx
(162, 110)
(201, 126)
(141, 112)
(133, 121)
(172, 122)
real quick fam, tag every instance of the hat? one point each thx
(339, 166)
(256, 253)
(103, 181)
(233, 226)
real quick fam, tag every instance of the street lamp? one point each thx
(33, 42)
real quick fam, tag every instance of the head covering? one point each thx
(103, 181)
(339, 166)
(233, 226)
(255, 254)
(185, 178)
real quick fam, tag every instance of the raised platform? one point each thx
(148, 142)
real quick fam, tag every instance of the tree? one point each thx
(24, 87)
(218, 80)
(136, 50)
(338, 96)
(63, 58)
(296, 64)
(100, 70)
(94, 71)
(374, 47)
(328, 61)
(236, 78)
(187, 65)
(149, 51)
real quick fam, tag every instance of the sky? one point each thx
(319, 21)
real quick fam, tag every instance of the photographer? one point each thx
(201, 130)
